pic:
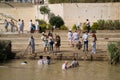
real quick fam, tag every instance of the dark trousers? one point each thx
(86, 45)
(88, 29)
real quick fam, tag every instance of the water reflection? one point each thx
(86, 71)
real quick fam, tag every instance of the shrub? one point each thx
(50, 15)
(118, 46)
(43, 25)
(81, 1)
(108, 24)
(113, 52)
(116, 24)
(56, 21)
(74, 27)
(63, 27)
(84, 27)
(5, 50)
(44, 10)
(101, 24)
(111, 25)
(49, 26)
(94, 27)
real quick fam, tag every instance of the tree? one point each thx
(44, 10)
(50, 15)
(56, 21)
(81, 1)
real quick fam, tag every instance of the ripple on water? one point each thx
(95, 70)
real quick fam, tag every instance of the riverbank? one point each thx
(20, 43)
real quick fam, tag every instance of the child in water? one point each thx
(64, 65)
(72, 65)
(47, 60)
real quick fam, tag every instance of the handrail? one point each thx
(7, 16)
(8, 4)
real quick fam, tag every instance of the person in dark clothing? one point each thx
(88, 25)
(57, 42)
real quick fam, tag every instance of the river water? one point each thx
(96, 70)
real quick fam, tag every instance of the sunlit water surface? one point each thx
(96, 70)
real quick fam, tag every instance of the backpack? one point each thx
(51, 42)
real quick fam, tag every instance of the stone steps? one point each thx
(63, 36)
(68, 55)
(20, 43)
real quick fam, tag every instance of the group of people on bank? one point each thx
(49, 41)
(10, 24)
(19, 26)
(74, 40)
(13, 27)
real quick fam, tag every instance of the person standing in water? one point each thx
(32, 45)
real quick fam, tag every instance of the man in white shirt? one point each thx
(78, 25)
(70, 37)
(85, 39)
(37, 25)
(30, 26)
(75, 37)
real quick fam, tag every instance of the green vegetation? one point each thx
(5, 50)
(50, 15)
(84, 27)
(44, 10)
(56, 21)
(63, 27)
(49, 27)
(81, 1)
(114, 52)
(108, 25)
(74, 27)
(103, 25)
(43, 25)
(94, 27)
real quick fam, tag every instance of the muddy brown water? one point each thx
(95, 70)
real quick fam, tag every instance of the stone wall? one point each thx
(79, 12)
(92, 11)
(25, 13)
(72, 13)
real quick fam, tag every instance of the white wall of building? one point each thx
(71, 13)
(79, 12)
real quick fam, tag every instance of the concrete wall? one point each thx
(71, 13)
(92, 11)
(25, 13)
(79, 12)
(57, 9)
